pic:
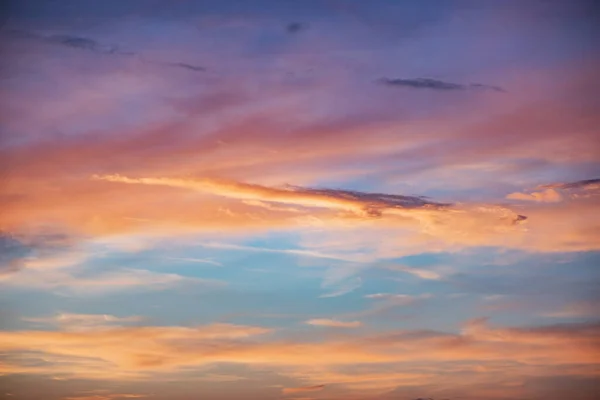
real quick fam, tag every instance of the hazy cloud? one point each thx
(418, 272)
(344, 287)
(302, 389)
(12, 254)
(69, 321)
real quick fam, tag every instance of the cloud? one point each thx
(70, 322)
(343, 288)
(195, 260)
(418, 272)
(588, 184)
(294, 252)
(189, 67)
(333, 323)
(80, 282)
(576, 310)
(80, 43)
(384, 302)
(84, 43)
(556, 192)
(321, 149)
(132, 351)
(302, 389)
(372, 362)
(426, 216)
(295, 27)
(12, 254)
(370, 204)
(111, 396)
(397, 299)
(434, 84)
(76, 42)
(548, 195)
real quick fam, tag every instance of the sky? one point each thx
(299, 200)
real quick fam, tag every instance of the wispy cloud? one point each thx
(303, 389)
(83, 283)
(587, 184)
(294, 252)
(397, 299)
(418, 272)
(371, 204)
(69, 321)
(342, 288)
(107, 396)
(434, 84)
(137, 352)
(579, 309)
(85, 43)
(334, 323)
(383, 302)
(195, 260)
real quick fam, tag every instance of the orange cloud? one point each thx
(136, 352)
(548, 195)
(107, 396)
(314, 388)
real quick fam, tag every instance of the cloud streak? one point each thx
(303, 389)
(333, 323)
(368, 204)
(88, 44)
(434, 84)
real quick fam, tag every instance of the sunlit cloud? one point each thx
(299, 202)
(362, 203)
(557, 191)
(154, 349)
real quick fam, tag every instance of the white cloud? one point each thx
(333, 323)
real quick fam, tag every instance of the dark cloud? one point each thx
(189, 67)
(585, 185)
(374, 203)
(83, 43)
(520, 218)
(295, 27)
(314, 388)
(434, 84)
(76, 42)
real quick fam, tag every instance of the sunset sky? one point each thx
(299, 200)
